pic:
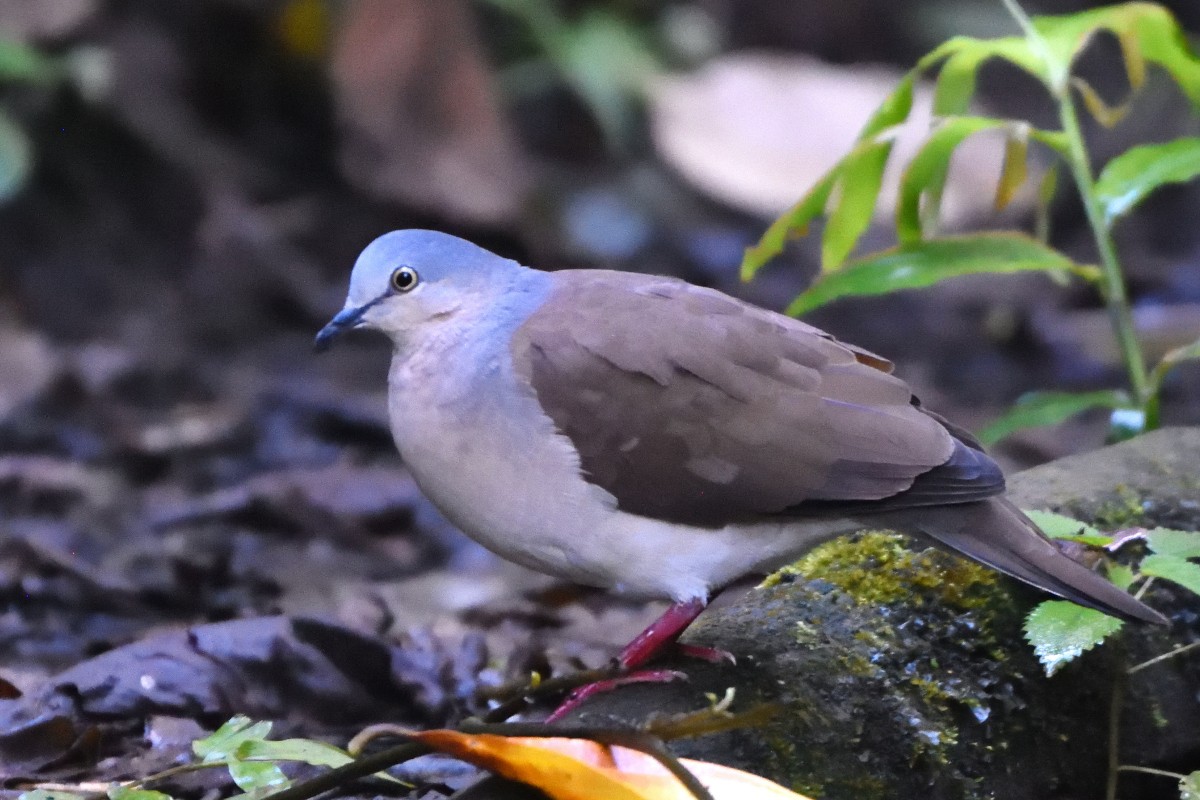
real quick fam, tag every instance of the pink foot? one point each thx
(575, 698)
(712, 655)
(662, 634)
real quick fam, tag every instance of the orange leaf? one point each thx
(578, 769)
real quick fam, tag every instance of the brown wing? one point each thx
(691, 406)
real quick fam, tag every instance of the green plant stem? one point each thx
(1112, 279)
(1114, 734)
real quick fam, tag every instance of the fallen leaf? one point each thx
(579, 769)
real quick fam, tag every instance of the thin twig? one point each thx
(1152, 771)
(357, 769)
(1163, 657)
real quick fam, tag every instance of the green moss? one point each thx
(878, 567)
(1123, 510)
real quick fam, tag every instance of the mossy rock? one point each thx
(903, 673)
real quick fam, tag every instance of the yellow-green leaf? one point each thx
(1147, 32)
(1015, 168)
(854, 206)
(928, 168)
(1107, 115)
(1038, 409)
(1060, 526)
(928, 262)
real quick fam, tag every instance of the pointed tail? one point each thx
(995, 532)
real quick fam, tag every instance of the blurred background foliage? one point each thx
(225, 160)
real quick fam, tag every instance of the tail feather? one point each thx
(995, 532)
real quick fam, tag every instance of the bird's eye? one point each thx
(404, 279)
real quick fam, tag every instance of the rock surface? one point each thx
(903, 673)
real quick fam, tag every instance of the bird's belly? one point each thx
(502, 473)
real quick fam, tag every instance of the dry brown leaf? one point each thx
(756, 130)
(421, 120)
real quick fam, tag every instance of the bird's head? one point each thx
(406, 279)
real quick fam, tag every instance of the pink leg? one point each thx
(664, 632)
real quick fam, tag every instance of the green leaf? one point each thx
(1130, 177)
(1189, 786)
(305, 751)
(223, 743)
(1038, 409)
(861, 179)
(1061, 631)
(1121, 575)
(47, 794)
(1167, 542)
(257, 778)
(1060, 526)
(961, 59)
(892, 111)
(795, 221)
(1146, 32)
(20, 62)
(16, 158)
(929, 167)
(1172, 568)
(928, 262)
(117, 792)
(1045, 197)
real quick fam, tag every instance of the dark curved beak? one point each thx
(345, 320)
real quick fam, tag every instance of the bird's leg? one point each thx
(664, 632)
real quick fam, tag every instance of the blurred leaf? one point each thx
(1167, 542)
(1060, 526)
(1014, 170)
(304, 27)
(1121, 575)
(578, 769)
(1061, 631)
(795, 221)
(1189, 786)
(928, 262)
(1131, 176)
(1037, 409)
(1172, 568)
(1101, 111)
(1147, 32)
(16, 158)
(305, 751)
(1045, 198)
(224, 742)
(20, 62)
(257, 778)
(929, 167)
(1172, 359)
(117, 792)
(960, 59)
(47, 794)
(607, 61)
(854, 207)
(893, 111)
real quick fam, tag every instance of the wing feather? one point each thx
(691, 406)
